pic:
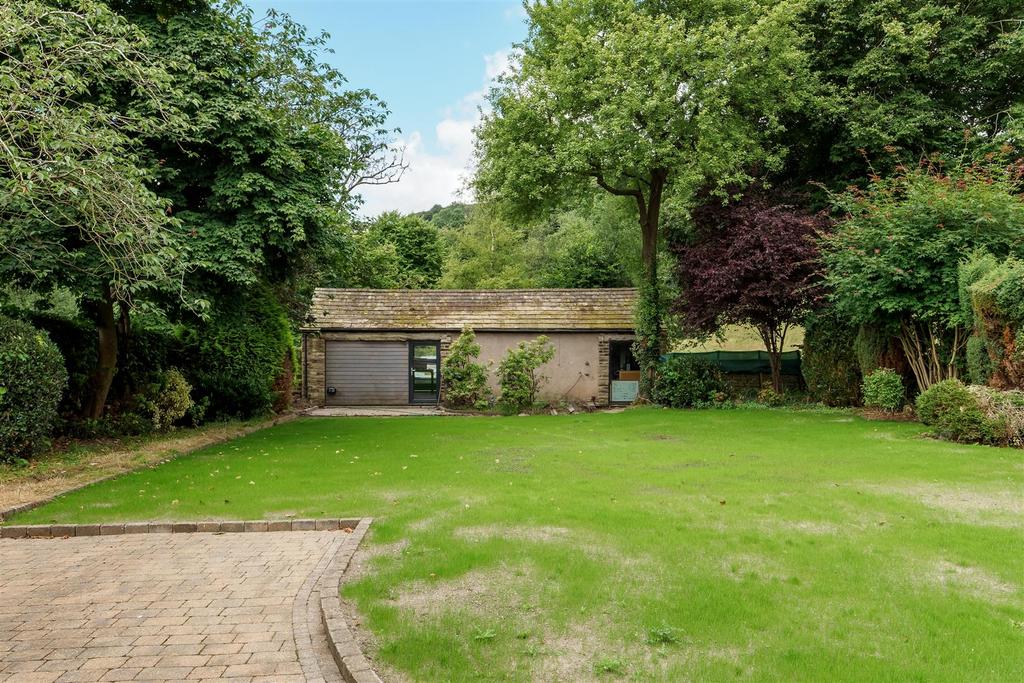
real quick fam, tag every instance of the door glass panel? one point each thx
(425, 372)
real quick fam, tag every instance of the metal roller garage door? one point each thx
(368, 373)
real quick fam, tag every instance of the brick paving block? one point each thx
(39, 531)
(111, 529)
(232, 527)
(303, 525)
(13, 532)
(62, 530)
(208, 527)
(183, 528)
(160, 527)
(136, 528)
(256, 525)
(279, 525)
(326, 525)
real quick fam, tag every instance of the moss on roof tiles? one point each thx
(535, 309)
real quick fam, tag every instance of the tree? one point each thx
(923, 76)
(751, 262)
(75, 208)
(893, 261)
(489, 252)
(410, 247)
(643, 100)
(234, 164)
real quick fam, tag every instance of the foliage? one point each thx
(954, 413)
(395, 252)
(518, 373)
(750, 262)
(239, 356)
(686, 382)
(893, 261)
(167, 400)
(979, 365)
(465, 380)
(771, 398)
(916, 75)
(1004, 411)
(828, 360)
(883, 389)
(592, 244)
(32, 379)
(992, 292)
(74, 206)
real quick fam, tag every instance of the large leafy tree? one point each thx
(752, 262)
(279, 146)
(643, 100)
(923, 76)
(76, 207)
(893, 261)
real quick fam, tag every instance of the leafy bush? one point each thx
(954, 413)
(465, 380)
(32, 380)
(769, 397)
(238, 358)
(166, 401)
(829, 361)
(686, 382)
(883, 389)
(517, 373)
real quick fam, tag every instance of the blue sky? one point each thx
(430, 60)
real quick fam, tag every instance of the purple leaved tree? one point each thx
(752, 262)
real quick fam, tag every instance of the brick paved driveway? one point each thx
(237, 606)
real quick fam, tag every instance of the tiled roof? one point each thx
(486, 309)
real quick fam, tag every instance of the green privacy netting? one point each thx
(751, 362)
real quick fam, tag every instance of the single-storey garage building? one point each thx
(386, 347)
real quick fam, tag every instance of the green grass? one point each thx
(647, 545)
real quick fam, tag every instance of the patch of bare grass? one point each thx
(974, 581)
(975, 505)
(533, 534)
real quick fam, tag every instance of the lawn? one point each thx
(649, 544)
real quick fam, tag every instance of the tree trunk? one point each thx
(774, 338)
(106, 360)
(651, 338)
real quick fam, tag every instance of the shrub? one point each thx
(237, 359)
(829, 361)
(32, 380)
(1005, 412)
(166, 401)
(979, 364)
(465, 380)
(769, 397)
(995, 305)
(883, 389)
(954, 413)
(686, 382)
(517, 373)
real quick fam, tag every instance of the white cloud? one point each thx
(438, 177)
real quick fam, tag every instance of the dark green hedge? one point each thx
(830, 367)
(240, 361)
(32, 381)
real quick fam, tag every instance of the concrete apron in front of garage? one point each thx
(144, 605)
